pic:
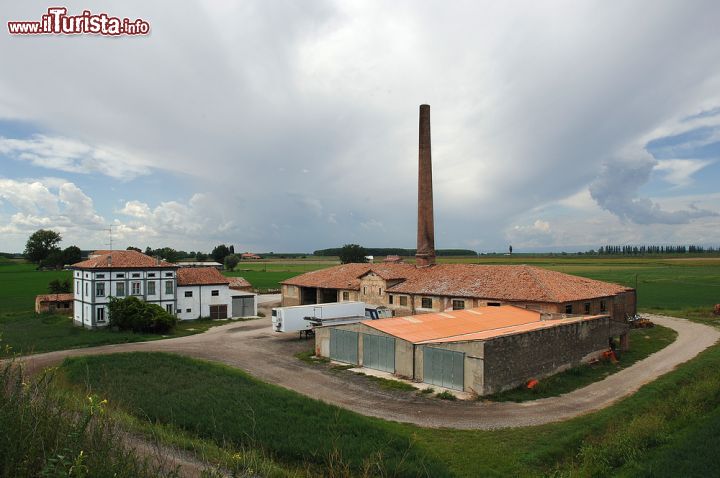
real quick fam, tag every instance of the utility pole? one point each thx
(109, 230)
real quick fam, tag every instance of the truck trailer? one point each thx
(304, 318)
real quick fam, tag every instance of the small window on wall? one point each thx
(568, 309)
(100, 314)
(215, 293)
(426, 303)
(168, 274)
(151, 274)
(403, 301)
(587, 307)
(188, 293)
(168, 287)
(120, 276)
(136, 275)
(603, 306)
(99, 276)
(169, 308)
(390, 299)
(379, 290)
(188, 311)
(458, 304)
(493, 304)
(364, 290)
(346, 296)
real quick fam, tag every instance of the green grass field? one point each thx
(668, 428)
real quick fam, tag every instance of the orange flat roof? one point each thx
(470, 324)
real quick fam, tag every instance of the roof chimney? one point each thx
(425, 255)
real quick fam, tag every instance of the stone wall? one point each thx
(513, 360)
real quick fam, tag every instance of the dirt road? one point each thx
(252, 346)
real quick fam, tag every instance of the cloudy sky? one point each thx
(292, 126)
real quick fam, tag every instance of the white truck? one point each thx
(304, 318)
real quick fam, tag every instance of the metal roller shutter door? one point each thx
(344, 346)
(379, 352)
(445, 368)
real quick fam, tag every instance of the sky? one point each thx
(292, 126)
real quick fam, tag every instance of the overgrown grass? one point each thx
(27, 332)
(42, 436)
(230, 407)
(643, 342)
(680, 411)
(308, 356)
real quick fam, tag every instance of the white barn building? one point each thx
(188, 293)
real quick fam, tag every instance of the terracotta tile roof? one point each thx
(501, 282)
(347, 276)
(200, 276)
(239, 283)
(434, 326)
(121, 260)
(54, 297)
(481, 323)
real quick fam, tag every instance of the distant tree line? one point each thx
(653, 249)
(395, 251)
(42, 248)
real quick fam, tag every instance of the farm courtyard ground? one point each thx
(658, 431)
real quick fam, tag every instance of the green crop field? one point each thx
(668, 428)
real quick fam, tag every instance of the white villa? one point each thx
(189, 293)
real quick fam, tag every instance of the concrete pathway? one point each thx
(253, 347)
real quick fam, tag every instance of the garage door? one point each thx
(218, 311)
(243, 306)
(444, 368)
(379, 352)
(344, 346)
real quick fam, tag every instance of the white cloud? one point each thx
(72, 156)
(679, 172)
(60, 206)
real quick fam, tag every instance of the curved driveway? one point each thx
(252, 346)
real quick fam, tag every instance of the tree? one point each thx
(201, 256)
(134, 314)
(71, 255)
(131, 248)
(231, 261)
(352, 253)
(218, 254)
(510, 248)
(57, 287)
(40, 244)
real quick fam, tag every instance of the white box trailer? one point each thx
(305, 317)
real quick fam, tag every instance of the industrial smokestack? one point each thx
(425, 255)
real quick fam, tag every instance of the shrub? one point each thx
(134, 314)
(445, 395)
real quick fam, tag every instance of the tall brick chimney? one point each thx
(425, 255)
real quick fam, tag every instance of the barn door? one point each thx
(445, 368)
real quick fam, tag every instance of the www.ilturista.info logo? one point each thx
(58, 22)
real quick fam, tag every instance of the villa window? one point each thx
(100, 289)
(168, 287)
(120, 289)
(188, 293)
(136, 288)
(151, 288)
(100, 314)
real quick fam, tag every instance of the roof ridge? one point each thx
(539, 282)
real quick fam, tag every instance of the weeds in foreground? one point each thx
(445, 395)
(43, 437)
